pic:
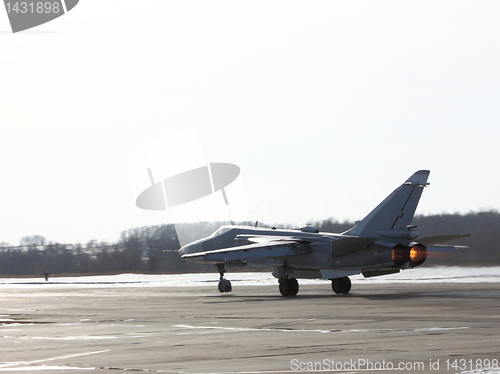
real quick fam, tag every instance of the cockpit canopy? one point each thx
(221, 230)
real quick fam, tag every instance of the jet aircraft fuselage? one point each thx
(384, 242)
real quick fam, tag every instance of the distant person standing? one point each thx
(46, 274)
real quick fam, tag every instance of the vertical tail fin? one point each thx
(396, 211)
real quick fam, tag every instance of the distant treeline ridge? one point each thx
(152, 249)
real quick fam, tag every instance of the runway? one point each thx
(106, 329)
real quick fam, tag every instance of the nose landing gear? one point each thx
(287, 286)
(224, 284)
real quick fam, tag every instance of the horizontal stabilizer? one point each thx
(432, 240)
(245, 252)
(347, 245)
(445, 248)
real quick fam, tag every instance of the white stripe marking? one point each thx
(51, 359)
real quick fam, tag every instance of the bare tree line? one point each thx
(152, 249)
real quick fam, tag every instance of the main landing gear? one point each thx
(224, 284)
(341, 285)
(288, 286)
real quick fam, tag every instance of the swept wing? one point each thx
(262, 247)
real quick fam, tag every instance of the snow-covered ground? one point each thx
(421, 275)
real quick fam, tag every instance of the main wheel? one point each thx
(341, 285)
(221, 287)
(346, 285)
(337, 285)
(293, 286)
(285, 287)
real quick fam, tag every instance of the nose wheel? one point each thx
(287, 286)
(224, 284)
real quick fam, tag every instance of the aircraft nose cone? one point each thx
(191, 248)
(187, 249)
(183, 250)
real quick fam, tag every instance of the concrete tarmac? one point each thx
(447, 328)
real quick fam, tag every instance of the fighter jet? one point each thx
(384, 242)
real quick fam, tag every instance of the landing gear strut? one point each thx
(224, 284)
(287, 286)
(341, 285)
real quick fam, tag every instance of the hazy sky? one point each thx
(326, 106)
